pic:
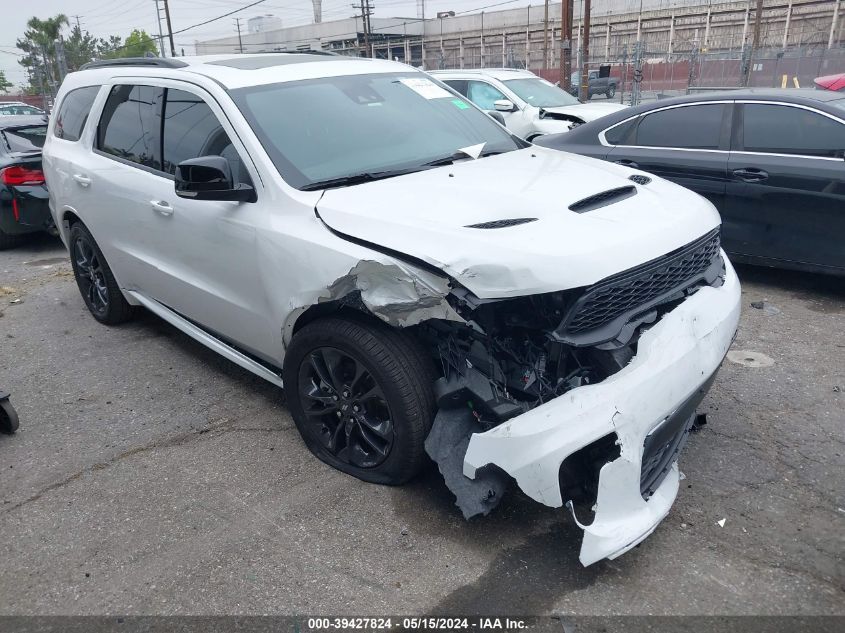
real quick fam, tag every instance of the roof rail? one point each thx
(160, 62)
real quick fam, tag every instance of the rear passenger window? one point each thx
(778, 129)
(192, 130)
(130, 127)
(73, 113)
(689, 127)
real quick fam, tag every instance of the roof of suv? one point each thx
(236, 71)
(502, 74)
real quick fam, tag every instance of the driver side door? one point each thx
(208, 248)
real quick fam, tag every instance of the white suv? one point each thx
(530, 105)
(417, 277)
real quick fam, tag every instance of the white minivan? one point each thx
(417, 278)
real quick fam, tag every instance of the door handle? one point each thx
(627, 163)
(751, 174)
(83, 181)
(161, 207)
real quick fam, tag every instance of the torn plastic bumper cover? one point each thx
(674, 360)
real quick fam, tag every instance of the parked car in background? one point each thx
(771, 161)
(17, 108)
(23, 195)
(598, 85)
(835, 83)
(418, 278)
(530, 105)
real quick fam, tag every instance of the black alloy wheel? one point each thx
(361, 394)
(95, 280)
(346, 408)
(90, 275)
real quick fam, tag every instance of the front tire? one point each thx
(361, 396)
(611, 91)
(95, 280)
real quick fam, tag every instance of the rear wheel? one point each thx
(94, 278)
(611, 90)
(361, 396)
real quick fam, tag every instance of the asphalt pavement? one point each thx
(150, 476)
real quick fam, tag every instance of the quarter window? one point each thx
(483, 94)
(192, 130)
(73, 113)
(621, 133)
(780, 129)
(130, 127)
(688, 127)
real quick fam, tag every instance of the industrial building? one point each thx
(528, 38)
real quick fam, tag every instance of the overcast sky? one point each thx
(119, 17)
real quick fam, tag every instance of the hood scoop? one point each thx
(611, 196)
(640, 179)
(501, 224)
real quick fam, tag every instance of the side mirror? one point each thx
(210, 178)
(504, 105)
(497, 116)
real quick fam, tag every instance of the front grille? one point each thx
(501, 224)
(603, 199)
(614, 300)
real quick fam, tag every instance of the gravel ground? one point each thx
(150, 476)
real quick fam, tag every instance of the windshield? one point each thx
(337, 127)
(540, 93)
(24, 139)
(20, 109)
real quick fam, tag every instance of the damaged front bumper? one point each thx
(674, 361)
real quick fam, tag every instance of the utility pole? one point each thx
(546, 36)
(61, 60)
(76, 17)
(366, 12)
(755, 42)
(566, 10)
(240, 41)
(169, 29)
(585, 56)
(160, 35)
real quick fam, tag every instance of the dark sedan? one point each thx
(23, 194)
(771, 161)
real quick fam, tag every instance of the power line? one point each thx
(219, 17)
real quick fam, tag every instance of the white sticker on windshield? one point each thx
(425, 88)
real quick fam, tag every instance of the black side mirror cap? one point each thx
(210, 178)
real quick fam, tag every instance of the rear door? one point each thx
(65, 148)
(687, 144)
(786, 193)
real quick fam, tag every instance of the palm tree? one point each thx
(39, 44)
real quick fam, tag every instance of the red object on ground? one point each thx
(831, 82)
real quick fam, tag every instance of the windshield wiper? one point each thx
(460, 155)
(354, 179)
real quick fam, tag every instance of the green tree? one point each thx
(38, 42)
(5, 84)
(80, 48)
(137, 44)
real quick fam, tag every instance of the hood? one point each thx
(587, 111)
(426, 215)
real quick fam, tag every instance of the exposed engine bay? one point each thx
(510, 356)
